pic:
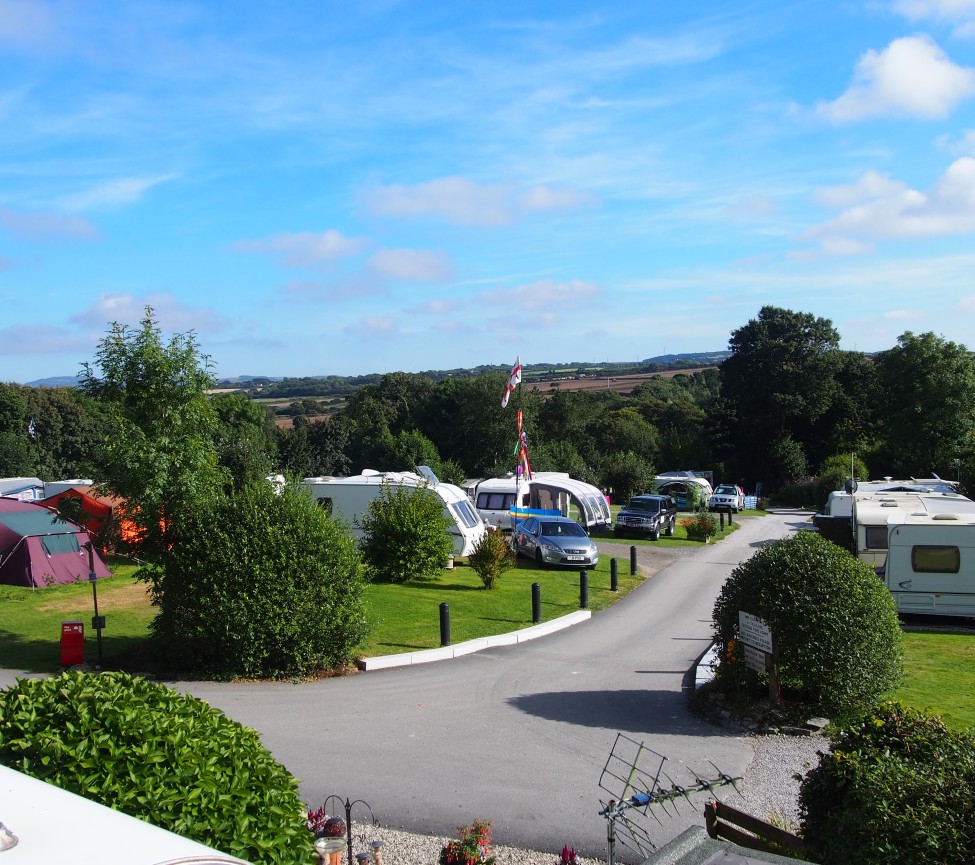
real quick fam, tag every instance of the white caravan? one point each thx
(857, 519)
(349, 498)
(930, 565)
(494, 499)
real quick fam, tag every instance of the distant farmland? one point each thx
(618, 383)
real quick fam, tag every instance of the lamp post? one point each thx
(97, 622)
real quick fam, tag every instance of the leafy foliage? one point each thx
(627, 474)
(405, 534)
(895, 787)
(160, 455)
(261, 585)
(702, 525)
(472, 848)
(491, 557)
(158, 755)
(833, 621)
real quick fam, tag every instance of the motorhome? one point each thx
(930, 564)
(348, 499)
(495, 498)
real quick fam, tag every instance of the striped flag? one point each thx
(513, 380)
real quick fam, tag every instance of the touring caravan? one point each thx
(930, 565)
(689, 489)
(857, 518)
(494, 498)
(349, 498)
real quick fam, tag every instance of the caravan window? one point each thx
(466, 513)
(935, 560)
(495, 501)
(875, 537)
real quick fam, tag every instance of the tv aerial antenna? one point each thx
(635, 779)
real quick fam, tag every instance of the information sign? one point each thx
(754, 632)
(755, 659)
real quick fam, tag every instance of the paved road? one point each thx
(518, 734)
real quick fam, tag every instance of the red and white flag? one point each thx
(513, 381)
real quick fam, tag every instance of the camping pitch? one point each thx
(38, 548)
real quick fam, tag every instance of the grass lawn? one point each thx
(939, 676)
(402, 618)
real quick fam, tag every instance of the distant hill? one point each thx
(327, 384)
(55, 381)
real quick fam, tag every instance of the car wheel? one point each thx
(539, 558)
(670, 529)
(655, 535)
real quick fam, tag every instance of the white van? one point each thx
(349, 498)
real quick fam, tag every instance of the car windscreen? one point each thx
(726, 491)
(568, 528)
(649, 505)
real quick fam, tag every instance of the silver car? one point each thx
(727, 497)
(554, 541)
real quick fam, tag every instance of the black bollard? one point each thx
(444, 625)
(583, 589)
(729, 517)
(536, 603)
(614, 577)
(721, 515)
(633, 561)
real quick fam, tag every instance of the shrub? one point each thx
(834, 473)
(491, 557)
(896, 787)
(701, 525)
(158, 755)
(834, 624)
(405, 534)
(473, 848)
(263, 585)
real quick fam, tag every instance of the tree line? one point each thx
(787, 406)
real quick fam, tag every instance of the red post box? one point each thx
(72, 643)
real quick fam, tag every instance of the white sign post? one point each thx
(759, 650)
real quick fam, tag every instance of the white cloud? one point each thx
(871, 185)
(966, 304)
(372, 326)
(464, 202)
(959, 13)
(170, 313)
(411, 265)
(898, 211)
(545, 299)
(46, 225)
(911, 77)
(125, 190)
(306, 249)
(42, 339)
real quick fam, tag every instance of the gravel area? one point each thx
(767, 791)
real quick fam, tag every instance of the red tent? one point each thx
(97, 511)
(38, 548)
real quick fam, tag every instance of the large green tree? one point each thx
(244, 438)
(777, 382)
(160, 453)
(928, 388)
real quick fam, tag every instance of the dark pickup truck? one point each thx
(647, 515)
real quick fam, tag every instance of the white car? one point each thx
(727, 497)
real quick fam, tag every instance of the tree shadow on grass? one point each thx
(44, 655)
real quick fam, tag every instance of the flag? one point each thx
(31, 430)
(513, 380)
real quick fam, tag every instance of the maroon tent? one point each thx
(38, 548)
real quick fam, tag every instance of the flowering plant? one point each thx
(316, 820)
(473, 848)
(568, 856)
(703, 525)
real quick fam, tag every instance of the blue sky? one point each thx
(343, 188)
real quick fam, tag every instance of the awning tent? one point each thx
(38, 548)
(97, 512)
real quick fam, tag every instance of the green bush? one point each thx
(833, 622)
(896, 787)
(701, 525)
(835, 472)
(153, 753)
(262, 585)
(405, 535)
(491, 557)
